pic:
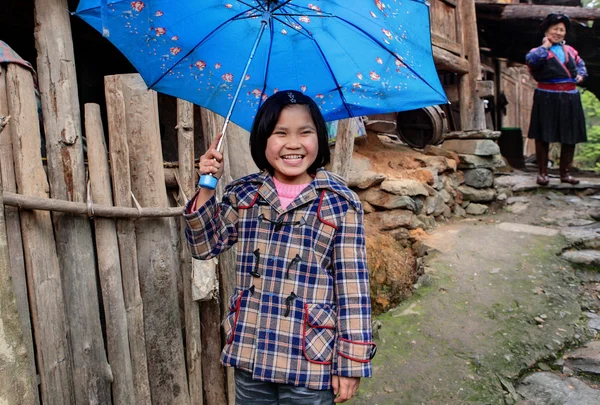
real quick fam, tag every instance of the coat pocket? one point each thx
(230, 321)
(319, 332)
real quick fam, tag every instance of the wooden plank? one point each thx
(535, 11)
(344, 144)
(66, 172)
(155, 252)
(109, 265)
(187, 182)
(219, 385)
(13, 230)
(484, 88)
(43, 273)
(445, 60)
(445, 44)
(472, 115)
(17, 378)
(119, 158)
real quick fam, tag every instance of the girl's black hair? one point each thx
(266, 119)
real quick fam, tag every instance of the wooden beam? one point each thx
(109, 265)
(445, 60)
(535, 11)
(43, 273)
(484, 88)
(121, 179)
(66, 173)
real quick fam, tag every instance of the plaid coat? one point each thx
(301, 309)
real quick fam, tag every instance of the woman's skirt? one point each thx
(557, 116)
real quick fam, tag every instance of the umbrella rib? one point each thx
(292, 27)
(261, 9)
(389, 51)
(337, 85)
(206, 38)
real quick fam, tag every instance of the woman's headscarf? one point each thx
(553, 19)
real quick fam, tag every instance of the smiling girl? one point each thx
(299, 324)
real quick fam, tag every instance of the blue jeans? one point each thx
(252, 392)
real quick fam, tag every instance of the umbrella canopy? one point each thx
(353, 57)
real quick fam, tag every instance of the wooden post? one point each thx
(472, 114)
(109, 265)
(344, 144)
(119, 159)
(155, 252)
(13, 231)
(215, 384)
(187, 182)
(75, 246)
(17, 377)
(43, 274)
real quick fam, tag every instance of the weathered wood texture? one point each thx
(157, 261)
(17, 378)
(13, 231)
(75, 246)
(445, 60)
(344, 144)
(446, 26)
(218, 383)
(187, 181)
(472, 115)
(43, 274)
(119, 159)
(536, 11)
(92, 210)
(109, 265)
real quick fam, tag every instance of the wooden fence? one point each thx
(103, 281)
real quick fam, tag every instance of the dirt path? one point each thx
(499, 301)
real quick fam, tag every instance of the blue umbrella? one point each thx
(353, 57)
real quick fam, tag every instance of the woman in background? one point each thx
(557, 113)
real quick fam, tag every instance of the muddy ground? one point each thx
(497, 303)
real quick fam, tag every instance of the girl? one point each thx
(299, 324)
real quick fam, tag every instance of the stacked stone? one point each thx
(479, 156)
(398, 205)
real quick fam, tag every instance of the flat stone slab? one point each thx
(477, 194)
(404, 187)
(587, 257)
(468, 161)
(530, 229)
(482, 134)
(527, 183)
(588, 237)
(477, 147)
(549, 389)
(365, 179)
(585, 359)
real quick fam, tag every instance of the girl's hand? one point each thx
(211, 161)
(546, 43)
(579, 78)
(344, 387)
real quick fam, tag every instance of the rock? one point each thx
(474, 134)
(445, 195)
(476, 209)
(360, 163)
(375, 326)
(367, 208)
(404, 187)
(478, 147)
(474, 162)
(585, 257)
(423, 281)
(479, 178)
(459, 211)
(420, 248)
(517, 208)
(427, 222)
(389, 220)
(418, 204)
(586, 359)
(547, 388)
(437, 163)
(530, 229)
(381, 199)
(435, 204)
(595, 214)
(476, 194)
(501, 197)
(514, 200)
(587, 238)
(594, 322)
(400, 234)
(437, 151)
(365, 179)
(447, 212)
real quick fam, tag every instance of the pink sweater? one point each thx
(288, 192)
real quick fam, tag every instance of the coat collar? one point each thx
(323, 180)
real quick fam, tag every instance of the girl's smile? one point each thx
(293, 146)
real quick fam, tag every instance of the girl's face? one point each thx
(293, 146)
(556, 33)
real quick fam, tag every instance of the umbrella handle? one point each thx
(208, 181)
